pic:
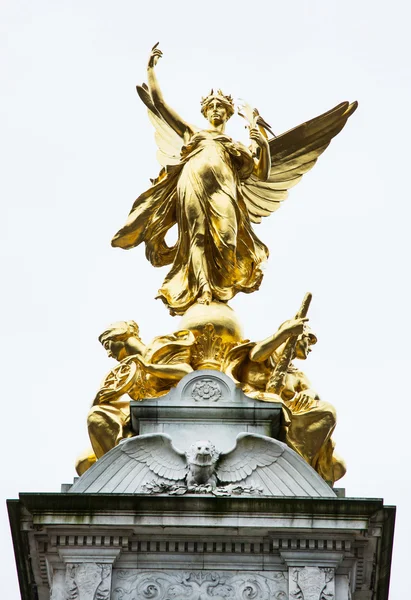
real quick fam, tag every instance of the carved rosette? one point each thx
(312, 583)
(193, 585)
(206, 389)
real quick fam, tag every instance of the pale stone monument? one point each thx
(212, 467)
(268, 526)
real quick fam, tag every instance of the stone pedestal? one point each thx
(206, 405)
(132, 547)
(278, 532)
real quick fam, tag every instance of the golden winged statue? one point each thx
(213, 188)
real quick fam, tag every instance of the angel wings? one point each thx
(293, 153)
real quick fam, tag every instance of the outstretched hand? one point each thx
(155, 54)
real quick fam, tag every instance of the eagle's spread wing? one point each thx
(292, 154)
(158, 453)
(251, 451)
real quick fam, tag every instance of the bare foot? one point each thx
(205, 297)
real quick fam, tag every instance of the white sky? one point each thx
(76, 148)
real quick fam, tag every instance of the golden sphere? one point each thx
(219, 314)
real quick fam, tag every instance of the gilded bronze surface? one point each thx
(308, 421)
(213, 188)
(144, 371)
(148, 371)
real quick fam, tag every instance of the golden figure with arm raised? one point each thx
(217, 253)
(213, 188)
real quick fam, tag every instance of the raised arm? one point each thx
(169, 115)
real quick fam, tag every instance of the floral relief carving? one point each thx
(193, 585)
(206, 389)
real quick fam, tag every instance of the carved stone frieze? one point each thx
(312, 583)
(192, 585)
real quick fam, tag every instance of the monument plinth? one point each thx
(205, 405)
(131, 547)
(212, 465)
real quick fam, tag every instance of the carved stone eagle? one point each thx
(150, 463)
(202, 464)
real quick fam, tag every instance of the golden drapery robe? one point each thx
(216, 246)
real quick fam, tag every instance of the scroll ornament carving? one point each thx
(156, 585)
(88, 581)
(312, 583)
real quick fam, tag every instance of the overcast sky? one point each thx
(76, 149)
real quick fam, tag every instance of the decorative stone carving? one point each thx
(206, 389)
(162, 487)
(193, 585)
(219, 421)
(312, 583)
(88, 581)
(189, 391)
(202, 465)
(258, 464)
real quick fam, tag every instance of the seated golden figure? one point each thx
(144, 371)
(308, 421)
